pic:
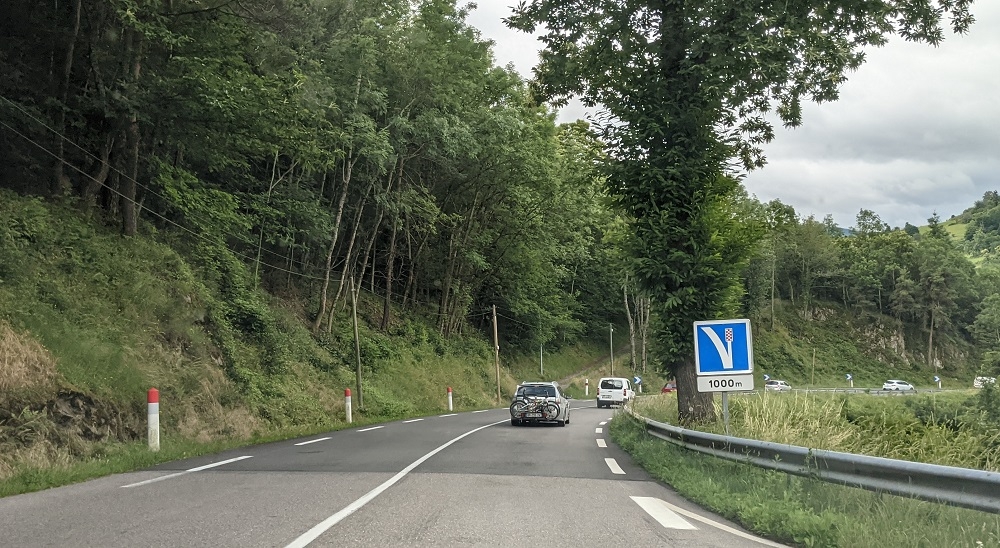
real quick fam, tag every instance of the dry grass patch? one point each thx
(24, 363)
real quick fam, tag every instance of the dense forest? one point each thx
(324, 144)
(330, 145)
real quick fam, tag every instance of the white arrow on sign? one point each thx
(725, 355)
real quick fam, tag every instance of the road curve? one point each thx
(467, 479)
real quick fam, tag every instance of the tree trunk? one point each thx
(60, 182)
(631, 322)
(348, 170)
(348, 256)
(97, 180)
(130, 210)
(390, 268)
(930, 341)
(692, 406)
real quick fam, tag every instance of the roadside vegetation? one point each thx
(938, 428)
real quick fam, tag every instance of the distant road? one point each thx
(468, 479)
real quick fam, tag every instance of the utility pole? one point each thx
(357, 341)
(611, 337)
(496, 350)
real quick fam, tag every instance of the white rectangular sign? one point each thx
(725, 383)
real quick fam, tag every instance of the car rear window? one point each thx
(537, 391)
(611, 383)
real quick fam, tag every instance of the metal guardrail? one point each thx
(968, 488)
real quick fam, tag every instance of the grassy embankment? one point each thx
(938, 428)
(90, 320)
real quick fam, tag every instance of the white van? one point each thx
(614, 391)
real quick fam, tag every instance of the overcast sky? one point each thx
(916, 129)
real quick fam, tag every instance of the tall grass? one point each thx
(936, 428)
(802, 511)
(933, 428)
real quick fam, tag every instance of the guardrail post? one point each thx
(153, 418)
(347, 404)
(449, 399)
(586, 387)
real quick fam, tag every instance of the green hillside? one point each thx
(91, 320)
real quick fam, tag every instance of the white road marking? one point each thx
(658, 510)
(448, 415)
(313, 441)
(601, 443)
(413, 420)
(481, 411)
(603, 423)
(369, 429)
(329, 522)
(196, 469)
(613, 465)
(598, 430)
(720, 526)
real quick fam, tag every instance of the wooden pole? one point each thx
(357, 342)
(496, 350)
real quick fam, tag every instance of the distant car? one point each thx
(671, 386)
(894, 384)
(980, 381)
(539, 402)
(775, 385)
(614, 391)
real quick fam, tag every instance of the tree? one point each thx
(687, 85)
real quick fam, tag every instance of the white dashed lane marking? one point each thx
(603, 423)
(313, 441)
(658, 510)
(598, 430)
(413, 420)
(372, 428)
(601, 443)
(449, 415)
(197, 469)
(613, 465)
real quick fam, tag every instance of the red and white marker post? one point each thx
(449, 399)
(586, 387)
(347, 404)
(153, 418)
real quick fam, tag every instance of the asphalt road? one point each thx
(468, 479)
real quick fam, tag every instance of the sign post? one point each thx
(937, 379)
(851, 379)
(723, 357)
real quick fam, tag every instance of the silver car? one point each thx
(539, 402)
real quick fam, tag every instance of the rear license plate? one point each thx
(533, 415)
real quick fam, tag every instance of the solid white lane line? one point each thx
(370, 429)
(658, 510)
(413, 420)
(196, 469)
(601, 443)
(613, 465)
(329, 522)
(448, 415)
(313, 441)
(720, 526)
(598, 430)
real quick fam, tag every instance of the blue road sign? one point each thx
(937, 378)
(723, 347)
(849, 377)
(636, 380)
(767, 377)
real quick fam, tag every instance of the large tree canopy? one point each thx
(688, 86)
